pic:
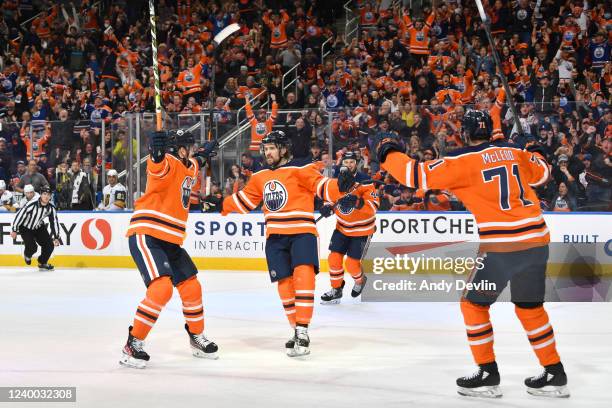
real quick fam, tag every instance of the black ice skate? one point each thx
(290, 346)
(45, 267)
(134, 355)
(333, 296)
(358, 288)
(202, 347)
(484, 383)
(301, 343)
(28, 261)
(551, 383)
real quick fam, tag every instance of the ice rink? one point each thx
(67, 328)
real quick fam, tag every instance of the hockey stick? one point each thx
(217, 41)
(352, 189)
(487, 27)
(158, 108)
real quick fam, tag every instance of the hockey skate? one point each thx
(201, 347)
(358, 288)
(290, 346)
(484, 383)
(28, 260)
(551, 383)
(300, 342)
(134, 355)
(333, 296)
(45, 267)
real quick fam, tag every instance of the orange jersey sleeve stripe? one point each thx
(494, 183)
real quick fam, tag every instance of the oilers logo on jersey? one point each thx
(261, 128)
(186, 186)
(275, 195)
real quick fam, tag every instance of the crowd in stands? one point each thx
(410, 73)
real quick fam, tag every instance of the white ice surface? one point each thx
(67, 328)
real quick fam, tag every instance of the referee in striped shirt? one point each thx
(29, 223)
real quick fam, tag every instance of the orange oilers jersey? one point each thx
(278, 37)
(360, 222)
(288, 197)
(448, 96)
(367, 18)
(493, 180)
(259, 129)
(163, 209)
(419, 39)
(189, 80)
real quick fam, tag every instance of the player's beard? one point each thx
(270, 161)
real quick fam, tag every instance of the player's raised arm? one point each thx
(536, 167)
(245, 200)
(157, 165)
(444, 173)
(326, 188)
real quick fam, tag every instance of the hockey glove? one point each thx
(326, 210)
(208, 150)
(348, 201)
(386, 146)
(346, 179)
(536, 148)
(159, 141)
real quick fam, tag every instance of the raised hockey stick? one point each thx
(217, 41)
(487, 27)
(158, 107)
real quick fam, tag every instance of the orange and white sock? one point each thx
(304, 283)
(479, 331)
(540, 334)
(336, 271)
(158, 294)
(287, 296)
(353, 267)
(193, 309)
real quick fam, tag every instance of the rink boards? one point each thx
(236, 242)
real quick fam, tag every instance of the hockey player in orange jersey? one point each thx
(288, 189)
(155, 235)
(495, 183)
(355, 224)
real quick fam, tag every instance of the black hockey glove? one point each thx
(386, 146)
(536, 148)
(346, 179)
(208, 150)
(326, 210)
(348, 201)
(158, 144)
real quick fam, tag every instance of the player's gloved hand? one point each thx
(386, 146)
(346, 179)
(536, 148)
(326, 210)
(348, 201)
(208, 150)
(158, 143)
